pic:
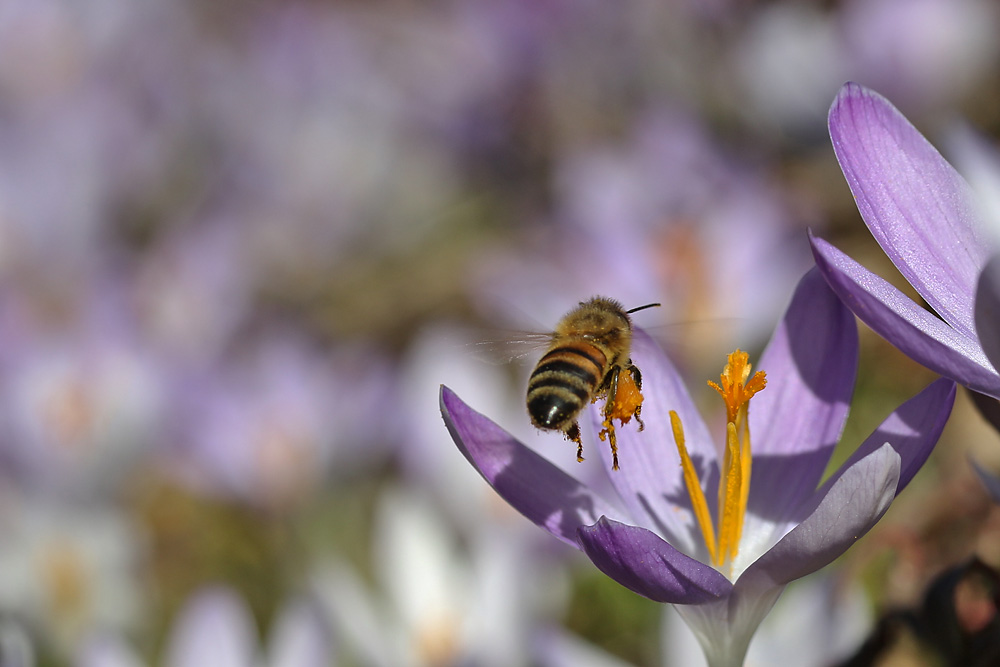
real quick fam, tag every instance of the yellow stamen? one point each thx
(736, 390)
(737, 387)
(730, 496)
(745, 460)
(698, 501)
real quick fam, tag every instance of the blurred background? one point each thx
(243, 243)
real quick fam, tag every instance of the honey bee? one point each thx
(590, 348)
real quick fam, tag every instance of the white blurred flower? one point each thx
(557, 648)
(216, 628)
(107, 650)
(69, 571)
(789, 61)
(438, 604)
(15, 645)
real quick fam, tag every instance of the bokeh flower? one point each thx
(660, 540)
(557, 648)
(436, 603)
(81, 401)
(67, 572)
(266, 426)
(215, 627)
(665, 195)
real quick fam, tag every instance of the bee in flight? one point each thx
(588, 359)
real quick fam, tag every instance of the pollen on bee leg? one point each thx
(626, 402)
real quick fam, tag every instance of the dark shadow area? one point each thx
(950, 625)
(988, 407)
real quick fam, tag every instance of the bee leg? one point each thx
(608, 431)
(573, 433)
(636, 375)
(637, 378)
(609, 403)
(638, 419)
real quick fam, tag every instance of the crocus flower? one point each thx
(216, 628)
(924, 215)
(657, 540)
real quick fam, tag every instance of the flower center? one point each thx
(736, 387)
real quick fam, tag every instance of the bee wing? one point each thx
(514, 346)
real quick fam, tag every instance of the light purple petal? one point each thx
(531, 484)
(988, 310)
(214, 628)
(912, 430)
(845, 511)
(641, 561)
(300, 637)
(104, 651)
(650, 479)
(555, 647)
(796, 421)
(895, 317)
(916, 205)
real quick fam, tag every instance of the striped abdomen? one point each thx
(564, 381)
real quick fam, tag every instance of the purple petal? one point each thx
(641, 561)
(531, 484)
(838, 516)
(988, 311)
(796, 421)
(911, 430)
(895, 317)
(650, 479)
(916, 205)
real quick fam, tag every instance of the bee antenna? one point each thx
(648, 305)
